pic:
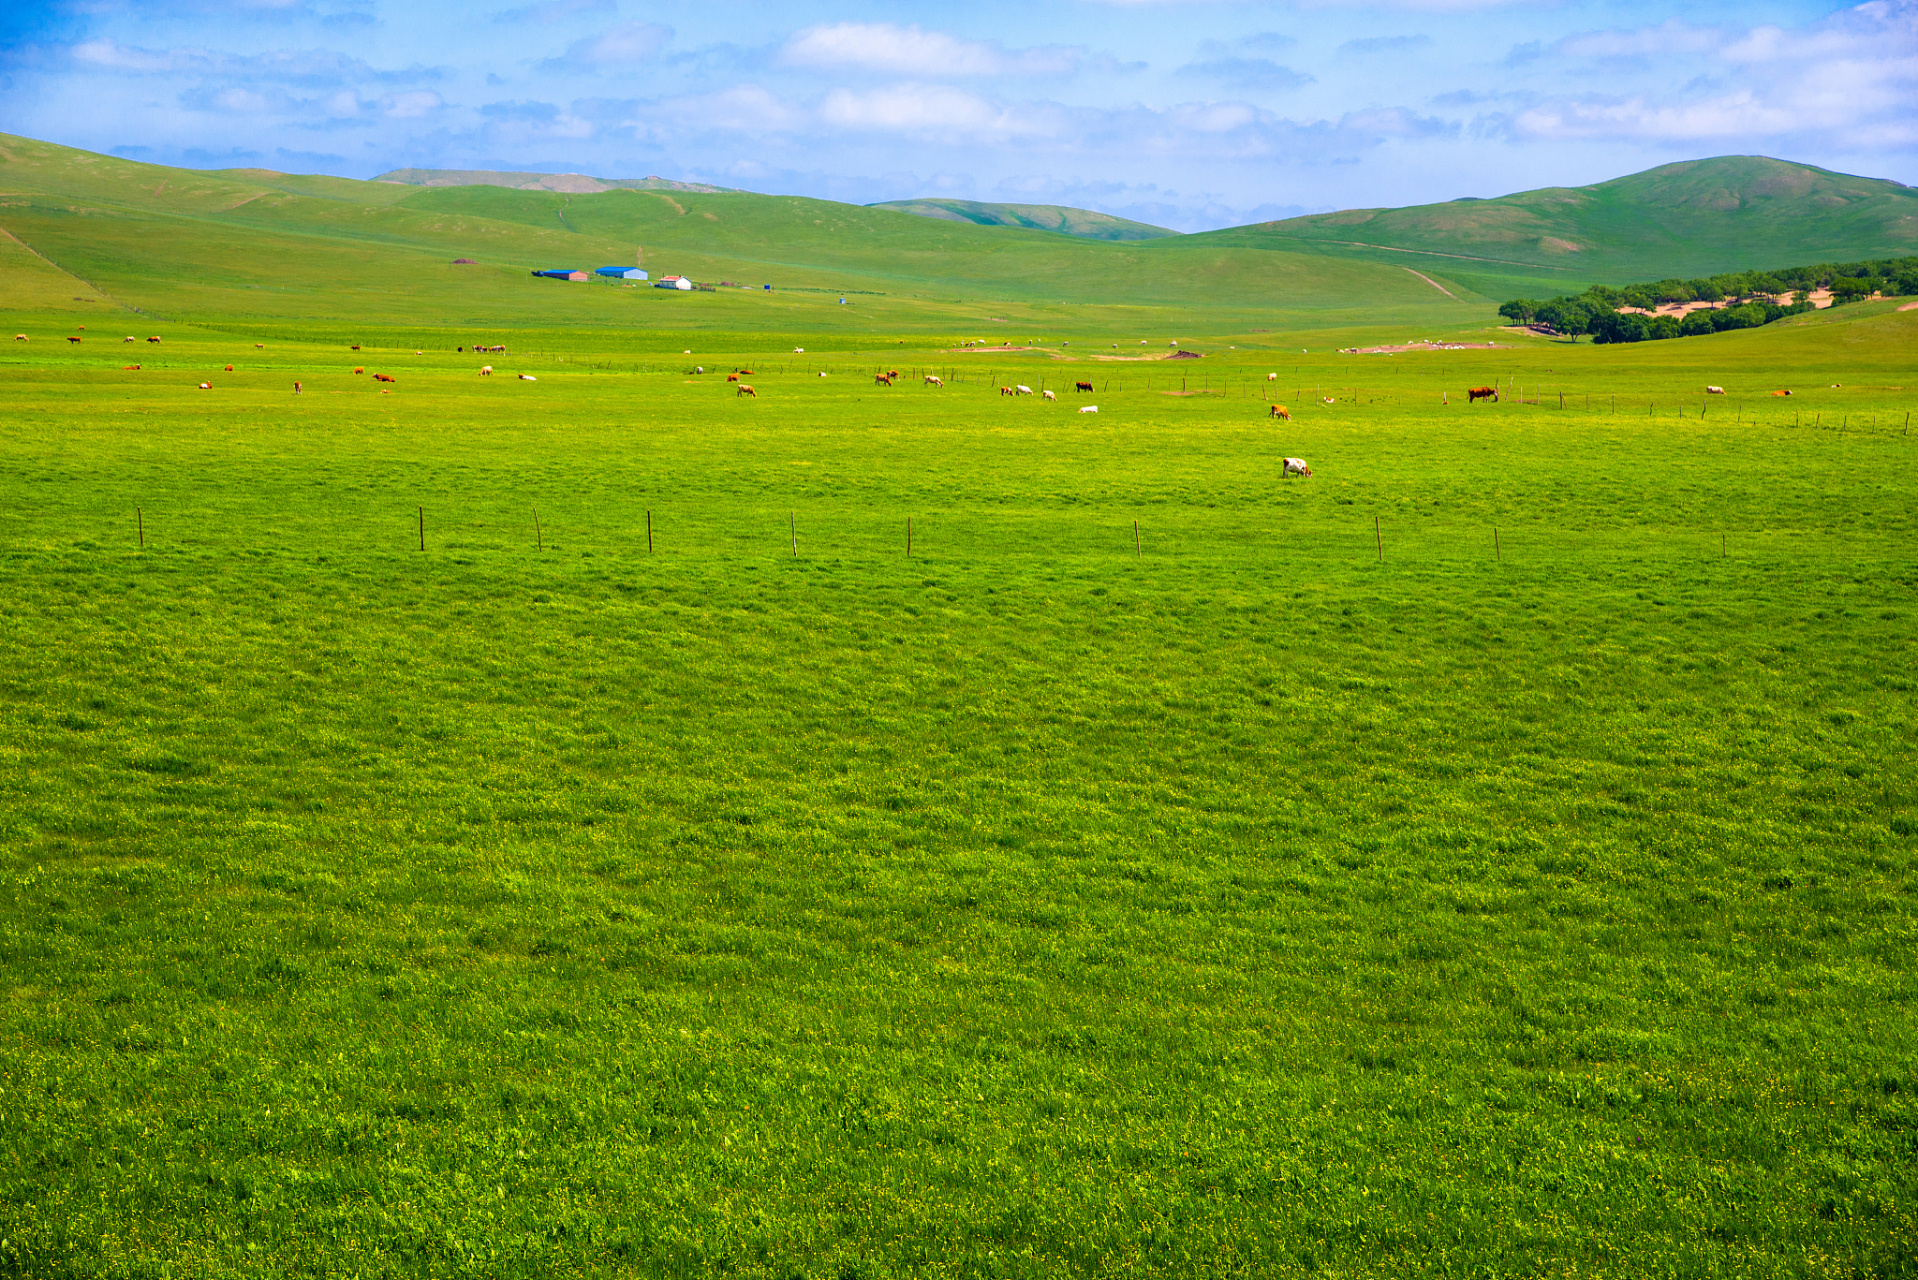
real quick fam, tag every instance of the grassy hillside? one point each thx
(1694, 218)
(1042, 217)
(253, 247)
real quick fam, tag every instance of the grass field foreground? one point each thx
(1257, 889)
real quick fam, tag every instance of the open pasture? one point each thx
(1231, 901)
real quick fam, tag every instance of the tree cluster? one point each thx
(1753, 295)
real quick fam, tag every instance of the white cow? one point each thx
(486, 371)
(1296, 467)
(1271, 377)
(933, 382)
(527, 377)
(1714, 391)
(1023, 389)
(1088, 408)
(1048, 395)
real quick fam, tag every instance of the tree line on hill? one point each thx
(1752, 295)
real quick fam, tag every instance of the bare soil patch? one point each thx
(1422, 345)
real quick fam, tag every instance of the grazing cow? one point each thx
(229, 368)
(1271, 377)
(152, 339)
(1280, 411)
(129, 338)
(881, 380)
(745, 389)
(1082, 386)
(382, 377)
(1049, 395)
(892, 373)
(1781, 393)
(933, 382)
(732, 377)
(360, 370)
(261, 346)
(356, 346)
(206, 386)
(744, 373)
(1295, 467)
(1474, 394)
(1023, 389)
(1006, 391)
(486, 371)
(1714, 391)
(527, 377)
(133, 367)
(298, 390)
(1088, 408)
(72, 339)
(19, 337)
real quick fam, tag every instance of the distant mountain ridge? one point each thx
(1691, 218)
(1084, 223)
(567, 183)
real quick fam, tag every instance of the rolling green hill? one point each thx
(1693, 218)
(1043, 217)
(262, 248)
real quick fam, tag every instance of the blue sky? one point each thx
(1189, 113)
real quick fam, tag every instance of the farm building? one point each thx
(621, 273)
(673, 282)
(563, 274)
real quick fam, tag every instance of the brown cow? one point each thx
(1007, 391)
(383, 377)
(152, 339)
(1082, 386)
(134, 368)
(892, 373)
(356, 346)
(745, 390)
(359, 370)
(229, 368)
(881, 380)
(1481, 393)
(744, 373)
(72, 339)
(1781, 393)
(732, 377)
(1279, 411)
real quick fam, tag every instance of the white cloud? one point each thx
(937, 111)
(411, 106)
(913, 51)
(1851, 76)
(1673, 36)
(624, 45)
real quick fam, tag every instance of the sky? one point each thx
(1190, 114)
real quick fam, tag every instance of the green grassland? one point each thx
(1234, 901)
(477, 827)
(1693, 218)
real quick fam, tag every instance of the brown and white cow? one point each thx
(1280, 411)
(1296, 467)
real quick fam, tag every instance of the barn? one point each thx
(564, 273)
(673, 282)
(621, 273)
